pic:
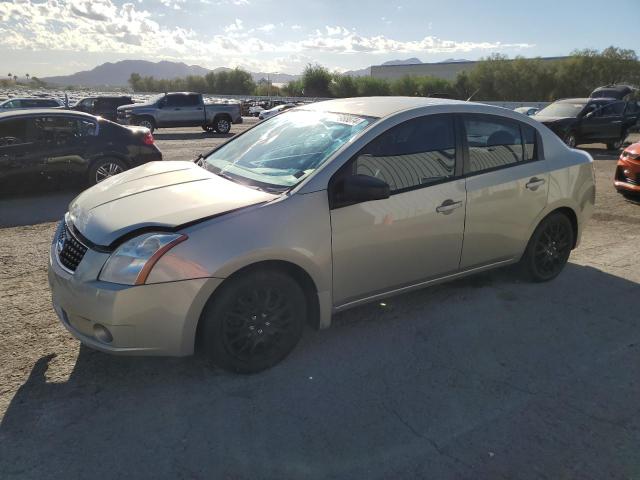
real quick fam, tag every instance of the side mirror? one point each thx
(361, 188)
(590, 114)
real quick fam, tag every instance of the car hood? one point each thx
(157, 194)
(544, 119)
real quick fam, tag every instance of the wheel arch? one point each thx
(136, 117)
(566, 210)
(299, 274)
(107, 156)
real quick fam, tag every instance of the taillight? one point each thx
(148, 138)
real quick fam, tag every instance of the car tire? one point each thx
(571, 140)
(222, 125)
(146, 122)
(617, 145)
(254, 321)
(549, 248)
(104, 168)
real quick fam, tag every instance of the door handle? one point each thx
(534, 183)
(448, 206)
(617, 121)
(176, 109)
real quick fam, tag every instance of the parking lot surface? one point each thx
(486, 377)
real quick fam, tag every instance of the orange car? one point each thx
(627, 179)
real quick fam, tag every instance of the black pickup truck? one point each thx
(597, 119)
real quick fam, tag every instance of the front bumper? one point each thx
(157, 319)
(630, 181)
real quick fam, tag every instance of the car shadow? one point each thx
(480, 378)
(601, 153)
(189, 135)
(46, 203)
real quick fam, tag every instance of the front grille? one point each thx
(70, 250)
(621, 177)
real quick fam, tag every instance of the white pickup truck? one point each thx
(181, 109)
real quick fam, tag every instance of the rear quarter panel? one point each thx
(234, 110)
(571, 181)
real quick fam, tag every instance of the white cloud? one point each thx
(234, 27)
(296, 27)
(267, 28)
(103, 26)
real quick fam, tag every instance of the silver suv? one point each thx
(313, 211)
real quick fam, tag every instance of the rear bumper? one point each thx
(147, 154)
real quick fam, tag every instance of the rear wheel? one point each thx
(549, 248)
(222, 125)
(617, 145)
(105, 168)
(254, 322)
(571, 140)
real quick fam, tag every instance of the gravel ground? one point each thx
(486, 377)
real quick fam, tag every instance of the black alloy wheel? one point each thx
(616, 145)
(549, 248)
(254, 322)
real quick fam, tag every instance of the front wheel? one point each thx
(254, 321)
(549, 248)
(222, 125)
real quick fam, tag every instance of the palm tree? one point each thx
(27, 76)
(15, 78)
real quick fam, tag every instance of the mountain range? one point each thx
(117, 74)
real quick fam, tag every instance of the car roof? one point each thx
(43, 111)
(377, 106)
(41, 99)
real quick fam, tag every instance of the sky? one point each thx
(56, 37)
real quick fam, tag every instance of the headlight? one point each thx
(132, 261)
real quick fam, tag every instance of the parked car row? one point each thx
(176, 109)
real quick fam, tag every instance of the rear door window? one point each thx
(177, 100)
(59, 130)
(613, 109)
(494, 142)
(192, 100)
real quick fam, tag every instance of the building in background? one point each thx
(445, 70)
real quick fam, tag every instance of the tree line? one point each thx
(496, 78)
